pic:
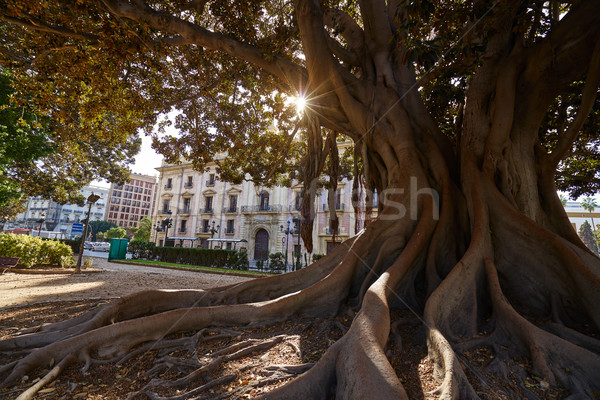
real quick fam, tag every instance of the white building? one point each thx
(202, 207)
(60, 218)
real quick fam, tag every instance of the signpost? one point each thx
(77, 229)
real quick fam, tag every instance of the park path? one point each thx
(115, 280)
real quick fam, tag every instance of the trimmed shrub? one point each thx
(218, 258)
(315, 257)
(277, 262)
(141, 250)
(35, 251)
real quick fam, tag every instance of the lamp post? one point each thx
(298, 226)
(92, 198)
(287, 235)
(166, 224)
(213, 231)
(41, 221)
(158, 229)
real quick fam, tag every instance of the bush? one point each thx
(316, 257)
(35, 251)
(218, 258)
(141, 250)
(277, 262)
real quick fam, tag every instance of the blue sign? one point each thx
(77, 228)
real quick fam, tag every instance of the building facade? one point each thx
(61, 217)
(577, 215)
(129, 203)
(201, 207)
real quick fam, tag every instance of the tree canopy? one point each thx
(464, 117)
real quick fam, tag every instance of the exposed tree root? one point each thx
(466, 308)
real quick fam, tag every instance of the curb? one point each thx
(69, 271)
(193, 269)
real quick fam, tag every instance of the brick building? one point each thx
(129, 203)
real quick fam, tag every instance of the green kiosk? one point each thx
(118, 249)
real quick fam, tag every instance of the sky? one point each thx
(145, 161)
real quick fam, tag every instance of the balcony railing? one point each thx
(182, 230)
(163, 211)
(230, 209)
(184, 210)
(292, 207)
(188, 185)
(208, 210)
(229, 231)
(210, 182)
(260, 208)
(205, 229)
(168, 187)
(338, 207)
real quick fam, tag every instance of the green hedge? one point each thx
(35, 251)
(218, 258)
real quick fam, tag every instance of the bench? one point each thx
(8, 263)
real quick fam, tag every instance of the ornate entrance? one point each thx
(261, 245)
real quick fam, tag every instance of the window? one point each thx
(205, 224)
(211, 180)
(169, 184)
(233, 203)
(186, 205)
(264, 201)
(189, 182)
(165, 206)
(208, 204)
(230, 226)
(298, 201)
(229, 246)
(338, 200)
(183, 227)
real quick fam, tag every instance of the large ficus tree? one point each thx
(460, 114)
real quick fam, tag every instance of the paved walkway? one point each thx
(115, 280)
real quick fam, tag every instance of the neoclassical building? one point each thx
(201, 207)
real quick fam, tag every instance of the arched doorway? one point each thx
(261, 245)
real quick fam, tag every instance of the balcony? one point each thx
(164, 211)
(229, 231)
(292, 207)
(188, 185)
(182, 230)
(184, 210)
(205, 229)
(230, 210)
(168, 187)
(208, 210)
(338, 207)
(210, 182)
(259, 208)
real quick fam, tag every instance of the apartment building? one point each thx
(61, 217)
(201, 207)
(129, 203)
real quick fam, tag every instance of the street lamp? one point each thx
(213, 231)
(41, 221)
(287, 235)
(298, 225)
(92, 198)
(158, 229)
(166, 224)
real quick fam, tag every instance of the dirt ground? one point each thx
(272, 354)
(113, 280)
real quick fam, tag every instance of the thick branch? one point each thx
(588, 97)
(284, 69)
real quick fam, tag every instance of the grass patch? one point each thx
(200, 267)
